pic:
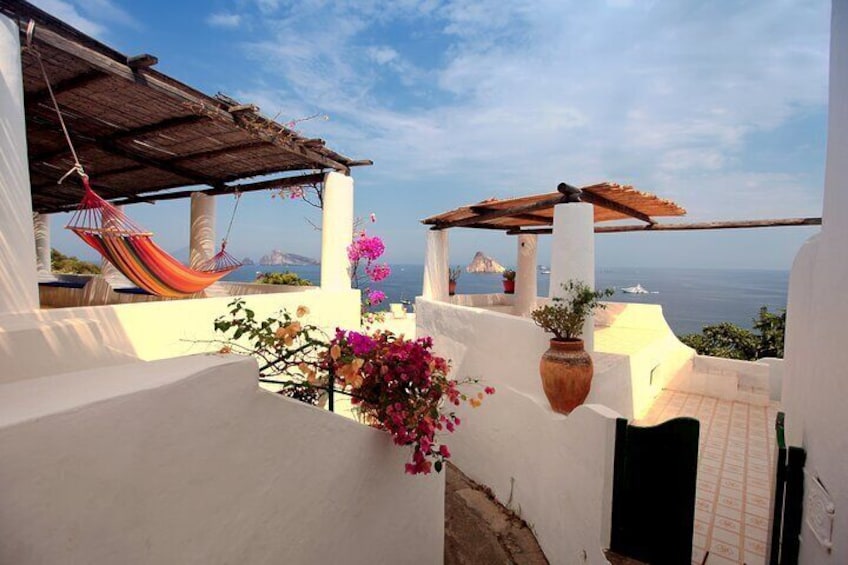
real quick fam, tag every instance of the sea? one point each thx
(690, 298)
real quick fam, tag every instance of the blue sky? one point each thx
(719, 106)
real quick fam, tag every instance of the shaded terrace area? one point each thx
(143, 136)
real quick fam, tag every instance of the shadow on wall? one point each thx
(54, 341)
(17, 239)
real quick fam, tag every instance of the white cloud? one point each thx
(523, 95)
(89, 16)
(382, 55)
(67, 12)
(224, 19)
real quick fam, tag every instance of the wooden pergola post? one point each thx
(526, 283)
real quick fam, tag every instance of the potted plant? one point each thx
(566, 369)
(509, 281)
(453, 276)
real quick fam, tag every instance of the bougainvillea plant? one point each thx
(400, 386)
(363, 254)
(395, 384)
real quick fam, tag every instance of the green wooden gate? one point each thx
(653, 504)
(787, 505)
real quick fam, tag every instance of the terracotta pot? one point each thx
(566, 371)
(509, 286)
(451, 287)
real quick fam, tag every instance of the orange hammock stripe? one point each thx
(132, 251)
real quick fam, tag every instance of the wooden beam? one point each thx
(603, 202)
(162, 165)
(219, 151)
(495, 214)
(83, 142)
(360, 163)
(185, 95)
(156, 127)
(479, 227)
(284, 182)
(725, 225)
(143, 61)
(72, 83)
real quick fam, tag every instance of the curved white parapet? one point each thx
(187, 461)
(554, 471)
(69, 339)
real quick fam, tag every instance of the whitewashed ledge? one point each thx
(187, 461)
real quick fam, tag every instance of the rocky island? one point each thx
(484, 264)
(277, 257)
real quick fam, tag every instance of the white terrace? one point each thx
(123, 440)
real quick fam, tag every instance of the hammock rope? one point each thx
(125, 244)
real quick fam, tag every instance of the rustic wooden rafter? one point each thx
(72, 83)
(495, 214)
(285, 182)
(603, 202)
(200, 103)
(722, 225)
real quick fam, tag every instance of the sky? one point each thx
(719, 106)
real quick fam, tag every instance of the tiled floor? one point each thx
(735, 460)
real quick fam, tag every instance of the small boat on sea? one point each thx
(544, 270)
(634, 290)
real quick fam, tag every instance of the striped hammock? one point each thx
(132, 251)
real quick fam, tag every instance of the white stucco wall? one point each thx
(555, 471)
(187, 461)
(18, 273)
(815, 385)
(61, 340)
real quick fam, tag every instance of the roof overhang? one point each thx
(140, 133)
(611, 201)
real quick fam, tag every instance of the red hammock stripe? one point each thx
(132, 251)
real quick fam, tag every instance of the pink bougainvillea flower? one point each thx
(376, 297)
(378, 272)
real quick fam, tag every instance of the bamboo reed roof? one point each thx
(139, 132)
(611, 201)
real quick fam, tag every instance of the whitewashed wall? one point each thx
(61, 340)
(187, 461)
(815, 385)
(555, 471)
(18, 273)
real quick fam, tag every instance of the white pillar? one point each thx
(526, 286)
(41, 228)
(336, 231)
(436, 266)
(573, 253)
(202, 234)
(18, 273)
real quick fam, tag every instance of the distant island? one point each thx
(277, 257)
(247, 261)
(484, 264)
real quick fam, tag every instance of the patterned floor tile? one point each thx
(736, 456)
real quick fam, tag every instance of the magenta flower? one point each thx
(376, 297)
(378, 272)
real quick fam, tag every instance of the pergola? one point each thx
(571, 214)
(141, 134)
